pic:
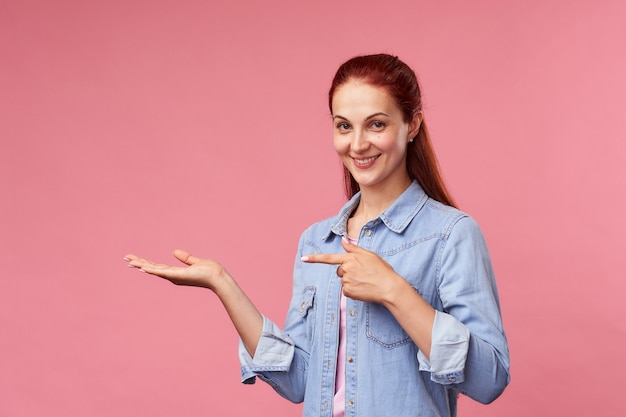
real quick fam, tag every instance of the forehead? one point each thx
(357, 97)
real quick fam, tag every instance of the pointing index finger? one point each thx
(325, 258)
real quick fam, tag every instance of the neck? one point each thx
(375, 200)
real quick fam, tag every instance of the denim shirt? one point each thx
(441, 252)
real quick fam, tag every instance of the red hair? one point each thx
(388, 72)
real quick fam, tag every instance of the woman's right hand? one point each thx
(209, 274)
(198, 272)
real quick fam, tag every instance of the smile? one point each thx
(365, 163)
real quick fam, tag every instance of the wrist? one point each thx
(396, 290)
(223, 284)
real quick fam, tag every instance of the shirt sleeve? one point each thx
(274, 352)
(277, 361)
(470, 349)
(448, 352)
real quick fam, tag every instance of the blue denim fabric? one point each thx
(442, 253)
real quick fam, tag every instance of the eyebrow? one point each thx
(338, 116)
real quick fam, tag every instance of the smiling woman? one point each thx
(398, 81)
(371, 137)
(394, 308)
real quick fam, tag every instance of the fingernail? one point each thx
(126, 259)
(304, 258)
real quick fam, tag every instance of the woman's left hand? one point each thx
(365, 276)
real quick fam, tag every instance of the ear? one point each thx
(414, 124)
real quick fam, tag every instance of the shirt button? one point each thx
(452, 378)
(350, 403)
(368, 232)
(352, 313)
(350, 359)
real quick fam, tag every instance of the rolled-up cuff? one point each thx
(448, 352)
(274, 352)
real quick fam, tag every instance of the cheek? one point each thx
(341, 144)
(390, 143)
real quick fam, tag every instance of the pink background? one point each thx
(142, 126)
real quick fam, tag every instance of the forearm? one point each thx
(412, 312)
(244, 315)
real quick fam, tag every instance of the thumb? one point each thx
(185, 257)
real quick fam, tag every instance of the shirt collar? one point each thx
(397, 217)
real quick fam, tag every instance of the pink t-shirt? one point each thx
(339, 403)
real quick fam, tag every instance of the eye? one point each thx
(342, 126)
(377, 125)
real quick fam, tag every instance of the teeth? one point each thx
(365, 161)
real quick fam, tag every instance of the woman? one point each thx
(394, 308)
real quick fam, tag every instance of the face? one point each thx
(371, 136)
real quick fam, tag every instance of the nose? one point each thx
(360, 142)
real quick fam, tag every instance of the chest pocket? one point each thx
(307, 311)
(383, 328)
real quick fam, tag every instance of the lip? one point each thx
(364, 163)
